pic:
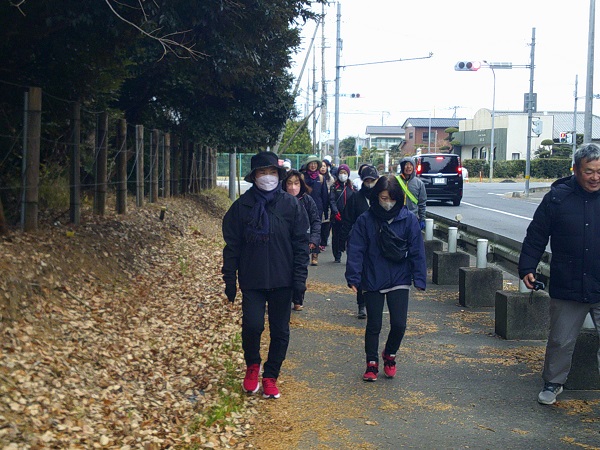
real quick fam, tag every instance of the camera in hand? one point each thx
(537, 285)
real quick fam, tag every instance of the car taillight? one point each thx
(459, 170)
(419, 169)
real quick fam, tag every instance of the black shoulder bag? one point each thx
(392, 246)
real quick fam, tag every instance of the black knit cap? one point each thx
(264, 159)
(369, 172)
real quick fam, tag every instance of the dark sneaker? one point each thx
(362, 312)
(314, 259)
(371, 372)
(389, 365)
(338, 260)
(270, 388)
(250, 384)
(548, 395)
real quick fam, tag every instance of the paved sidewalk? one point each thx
(458, 384)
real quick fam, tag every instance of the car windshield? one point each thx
(439, 164)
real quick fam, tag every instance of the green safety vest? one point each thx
(406, 191)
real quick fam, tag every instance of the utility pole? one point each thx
(323, 86)
(338, 49)
(574, 135)
(529, 114)
(589, 84)
(314, 91)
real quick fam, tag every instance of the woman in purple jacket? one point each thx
(380, 278)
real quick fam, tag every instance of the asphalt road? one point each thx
(458, 384)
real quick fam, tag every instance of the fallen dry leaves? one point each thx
(115, 333)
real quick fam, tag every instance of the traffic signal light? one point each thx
(563, 137)
(467, 65)
(355, 95)
(537, 126)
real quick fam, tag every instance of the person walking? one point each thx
(318, 191)
(568, 216)
(294, 184)
(339, 194)
(415, 197)
(326, 219)
(356, 205)
(385, 275)
(266, 251)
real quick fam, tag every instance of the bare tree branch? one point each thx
(168, 45)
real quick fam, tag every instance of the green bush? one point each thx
(550, 168)
(54, 190)
(474, 166)
(509, 169)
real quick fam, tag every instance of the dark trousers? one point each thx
(397, 302)
(254, 303)
(336, 244)
(360, 298)
(325, 229)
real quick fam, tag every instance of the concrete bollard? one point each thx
(477, 286)
(452, 238)
(430, 248)
(482, 254)
(428, 230)
(445, 266)
(517, 318)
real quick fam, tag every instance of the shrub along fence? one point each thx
(540, 168)
(94, 153)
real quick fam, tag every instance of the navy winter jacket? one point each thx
(313, 217)
(283, 261)
(366, 267)
(570, 217)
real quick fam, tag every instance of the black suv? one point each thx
(442, 175)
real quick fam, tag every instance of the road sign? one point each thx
(530, 104)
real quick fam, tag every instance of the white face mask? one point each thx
(267, 182)
(370, 185)
(293, 189)
(387, 205)
(343, 177)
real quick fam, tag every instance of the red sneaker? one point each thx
(270, 388)
(250, 384)
(372, 370)
(389, 365)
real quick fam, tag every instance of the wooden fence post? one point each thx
(154, 158)
(213, 169)
(75, 165)
(31, 161)
(139, 163)
(185, 149)
(3, 226)
(167, 166)
(121, 205)
(101, 165)
(176, 165)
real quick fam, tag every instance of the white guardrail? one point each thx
(504, 251)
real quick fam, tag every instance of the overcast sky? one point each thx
(499, 31)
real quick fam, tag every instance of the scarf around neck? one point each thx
(383, 215)
(257, 229)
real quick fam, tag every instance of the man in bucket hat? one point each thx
(266, 252)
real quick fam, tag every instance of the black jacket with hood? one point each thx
(280, 262)
(570, 217)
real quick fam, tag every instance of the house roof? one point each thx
(436, 122)
(384, 130)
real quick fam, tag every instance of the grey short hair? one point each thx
(587, 152)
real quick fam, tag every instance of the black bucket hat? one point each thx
(264, 159)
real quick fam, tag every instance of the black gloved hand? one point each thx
(230, 292)
(299, 288)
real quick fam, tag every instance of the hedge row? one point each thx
(540, 168)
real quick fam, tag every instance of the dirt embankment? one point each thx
(114, 334)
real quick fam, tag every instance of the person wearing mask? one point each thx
(356, 205)
(294, 184)
(568, 216)
(415, 197)
(326, 219)
(266, 252)
(318, 191)
(287, 165)
(339, 194)
(384, 277)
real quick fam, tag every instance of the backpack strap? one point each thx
(406, 191)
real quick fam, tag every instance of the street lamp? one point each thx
(473, 66)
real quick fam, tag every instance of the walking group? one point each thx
(283, 223)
